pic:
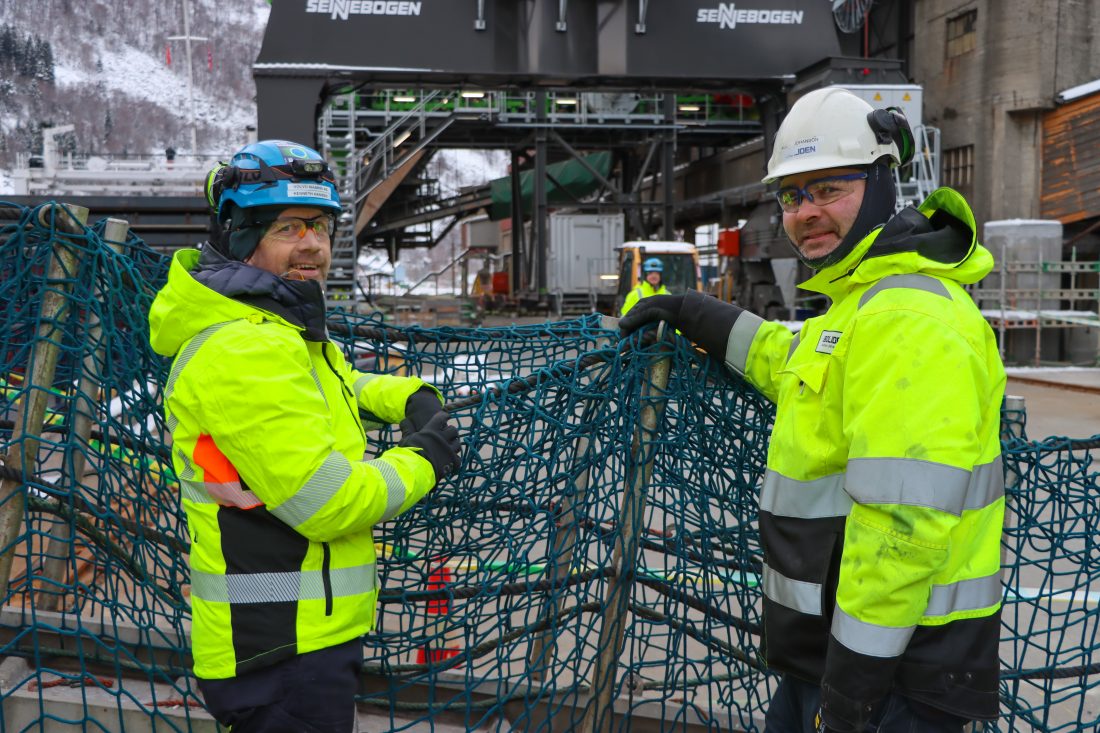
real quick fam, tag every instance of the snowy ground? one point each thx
(1031, 371)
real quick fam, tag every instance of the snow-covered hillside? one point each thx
(130, 72)
(112, 80)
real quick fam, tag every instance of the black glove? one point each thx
(702, 318)
(438, 442)
(650, 310)
(422, 406)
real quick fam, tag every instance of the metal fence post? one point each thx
(598, 717)
(39, 376)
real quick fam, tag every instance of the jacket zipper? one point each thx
(346, 391)
(326, 577)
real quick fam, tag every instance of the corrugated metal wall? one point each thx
(1071, 161)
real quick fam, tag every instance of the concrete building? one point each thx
(1012, 86)
(992, 71)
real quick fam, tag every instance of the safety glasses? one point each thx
(820, 192)
(293, 228)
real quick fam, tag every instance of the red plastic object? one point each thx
(500, 283)
(729, 242)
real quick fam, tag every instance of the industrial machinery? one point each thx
(610, 107)
(679, 261)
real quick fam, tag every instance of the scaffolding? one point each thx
(1021, 308)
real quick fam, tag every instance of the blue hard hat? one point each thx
(275, 173)
(653, 264)
(260, 180)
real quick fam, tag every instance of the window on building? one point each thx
(958, 166)
(962, 33)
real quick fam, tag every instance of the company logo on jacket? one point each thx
(828, 341)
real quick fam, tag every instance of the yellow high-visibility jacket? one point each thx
(641, 290)
(268, 446)
(882, 506)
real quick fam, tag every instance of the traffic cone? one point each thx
(439, 648)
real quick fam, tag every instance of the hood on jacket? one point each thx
(939, 238)
(207, 288)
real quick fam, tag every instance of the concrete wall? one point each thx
(993, 97)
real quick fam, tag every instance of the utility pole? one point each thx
(187, 38)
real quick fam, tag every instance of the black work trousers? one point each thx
(311, 693)
(795, 703)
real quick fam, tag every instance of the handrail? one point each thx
(436, 273)
(417, 111)
(364, 189)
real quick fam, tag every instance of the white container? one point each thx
(582, 247)
(482, 233)
(908, 97)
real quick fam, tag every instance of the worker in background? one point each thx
(268, 443)
(652, 270)
(483, 281)
(882, 504)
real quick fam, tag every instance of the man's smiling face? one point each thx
(282, 252)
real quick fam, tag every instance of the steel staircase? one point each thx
(368, 175)
(337, 136)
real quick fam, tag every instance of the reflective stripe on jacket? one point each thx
(882, 507)
(641, 290)
(268, 447)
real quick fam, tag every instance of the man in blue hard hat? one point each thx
(268, 444)
(652, 271)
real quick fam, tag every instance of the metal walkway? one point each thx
(382, 139)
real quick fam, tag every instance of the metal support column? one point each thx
(632, 224)
(540, 193)
(393, 250)
(561, 26)
(668, 164)
(640, 27)
(517, 224)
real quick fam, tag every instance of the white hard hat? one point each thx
(828, 128)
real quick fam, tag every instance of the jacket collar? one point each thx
(301, 303)
(937, 238)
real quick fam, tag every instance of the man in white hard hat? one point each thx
(882, 505)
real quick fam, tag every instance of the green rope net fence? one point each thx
(594, 564)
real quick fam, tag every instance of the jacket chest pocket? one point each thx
(806, 373)
(817, 361)
(802, 417)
